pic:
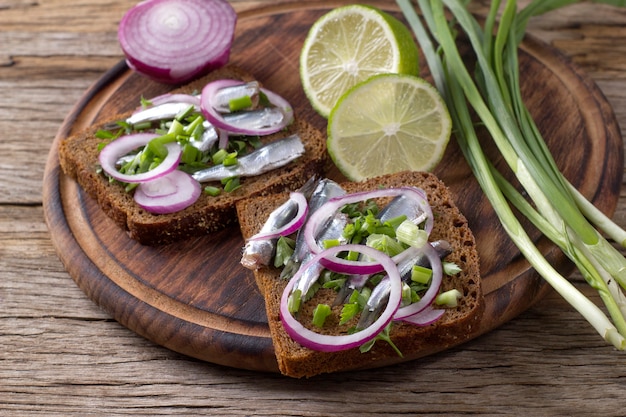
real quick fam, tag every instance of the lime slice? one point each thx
(386, 124)
(347, 46)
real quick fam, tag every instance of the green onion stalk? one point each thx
(493, 92)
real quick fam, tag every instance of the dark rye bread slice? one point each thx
(457, 324)
(79, 160)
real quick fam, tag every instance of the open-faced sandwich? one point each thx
(175, 167)
(362, 274)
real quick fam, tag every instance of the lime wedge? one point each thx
(386, 124)
(348, 45)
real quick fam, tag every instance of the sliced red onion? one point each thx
(427, 316)
(344, 266)
(174, 41)
(224, 138)
(125, 144)
(168, 194)
(221, 122)
(333, 343)
(293, 225)
(432, 291)
(318, 219)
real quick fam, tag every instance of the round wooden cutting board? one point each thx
(195, 298)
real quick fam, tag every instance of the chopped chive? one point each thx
(321, 312)
(219, 156)
(293, 302)
(407, 294)
(449, 298)
(396, 221)
(183, 114)
(212, 191)
(195, 125)
(421, 274)
(330, 243)
(142, 126)
(240, 103)
(410, 234)
(176, 128)
(232, 184)
(190, 154)
(230, 159)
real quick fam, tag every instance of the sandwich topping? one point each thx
(368, 253)
(174, 142)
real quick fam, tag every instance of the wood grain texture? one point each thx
(61, 355)
(193, 299)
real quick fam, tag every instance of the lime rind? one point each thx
(348, 45)
(386, 124)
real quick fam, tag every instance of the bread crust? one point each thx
(456, 325)
(78, 157)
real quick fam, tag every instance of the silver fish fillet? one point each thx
(325, 190)
(223, 96)
(257, 253)
(380, 293)
(271, 156)
(262, 118)
(332, 230)
(208, 138)
(160, 112)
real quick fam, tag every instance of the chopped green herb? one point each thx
(240, 103)
(450, 268)
(384, 335)
(449, 298)
(321, 312)
(232, 184)
(293, 303)
(212, 191)
(348, 311)
(421, 274)
(410, 234)
(284, 250)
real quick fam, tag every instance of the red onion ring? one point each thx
(125, 144)
(321, 215)
(427, 316)
(432, 291)
(217, 120)
(330, 343)
(168, 194)
(295, 224)
(174, 41)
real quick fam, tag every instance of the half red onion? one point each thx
(432, 291)
(220, 122)
(174, 41)
(124, 145)
(168, 194)
(334, 343)
(293, 225)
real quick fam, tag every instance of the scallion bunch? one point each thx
(492, 92)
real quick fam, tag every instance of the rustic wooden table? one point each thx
(60, 355)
